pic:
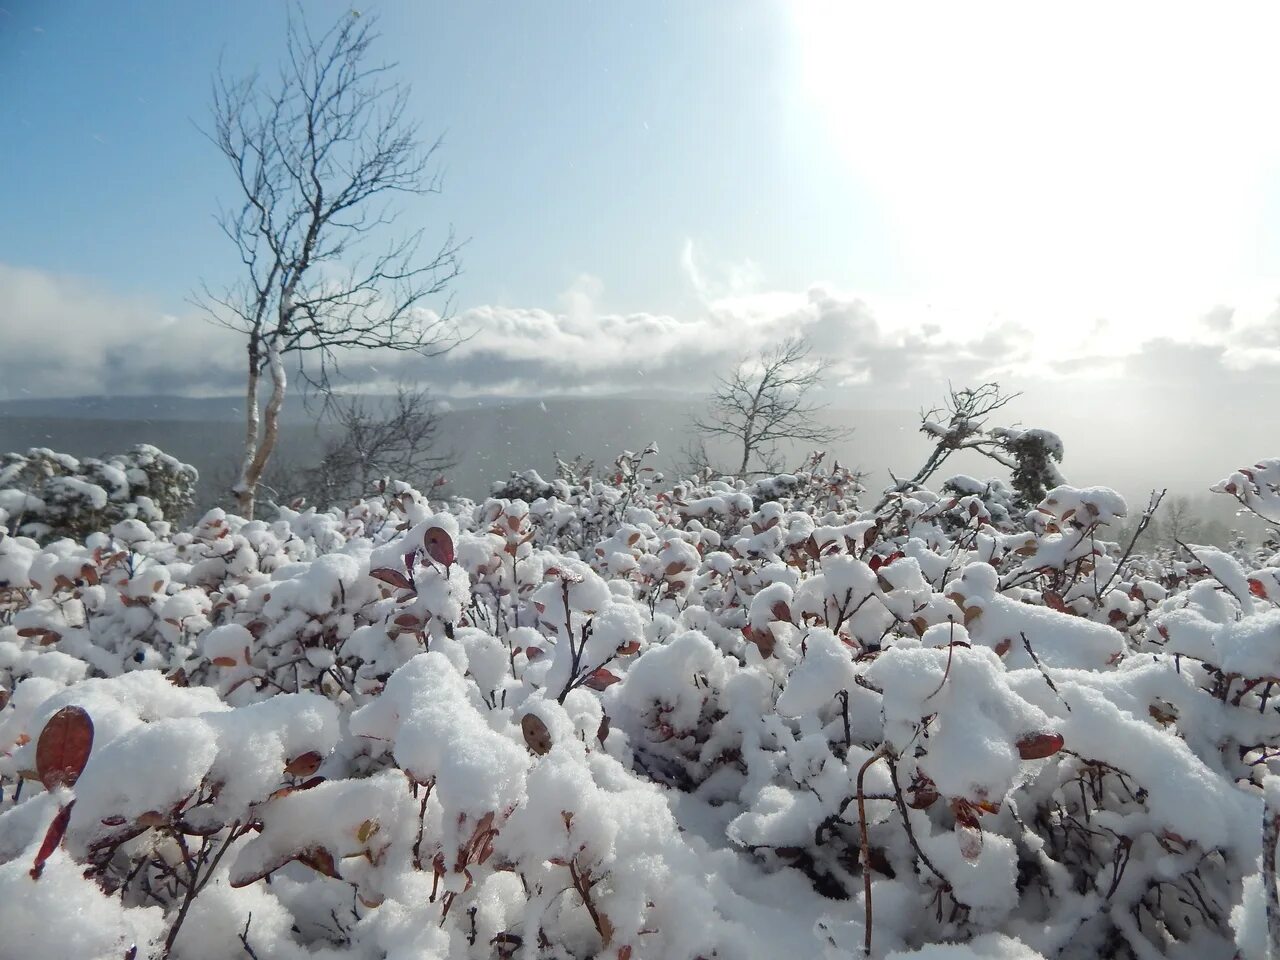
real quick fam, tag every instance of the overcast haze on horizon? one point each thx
(1080, 203)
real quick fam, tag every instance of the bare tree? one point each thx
(1180, 521)
(766, 401)
(396, 437)
(320, 156)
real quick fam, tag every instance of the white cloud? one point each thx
(719, 280)
(64, 336)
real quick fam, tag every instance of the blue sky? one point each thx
(580, 139)
(1002, 190)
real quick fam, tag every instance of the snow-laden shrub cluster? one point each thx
(718, 720)
(46, 495)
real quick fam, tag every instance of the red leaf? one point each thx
(781, 611)
(439, 546)
(601, 679)
(1037, 746)
(52, 838)
(1257, 589)
(923, 793)
(1054, 601)
(628, 648)
(408, 620)
(304, 765)
(63, 748)
(393, 577)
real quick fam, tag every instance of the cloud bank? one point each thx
(66, 337)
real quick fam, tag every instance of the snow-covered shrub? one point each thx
(720, 720)
(48, 495)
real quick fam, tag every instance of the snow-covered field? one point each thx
(722, 721)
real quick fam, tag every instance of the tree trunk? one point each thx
(244, 487)
(270, 430)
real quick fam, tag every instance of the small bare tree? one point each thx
(319, 156)
(1180, 521)
(765, 401)
(396, 437)
(960, 423)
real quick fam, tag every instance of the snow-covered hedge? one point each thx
(721, 720)
(47, 495)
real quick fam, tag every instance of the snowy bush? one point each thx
(603, 719)
(47, 495)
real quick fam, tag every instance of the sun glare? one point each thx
(1098, 158)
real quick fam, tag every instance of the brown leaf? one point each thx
(304, 765)
(393, 577)
(63, 748)
(923, 793)
(321, 861)
(763, 639)
(43, 634)
(439, 546)
(601, 679)
(536, 735)
(1054, 601)
(224, 661)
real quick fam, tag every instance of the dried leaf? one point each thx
(601, 679)
(393, 577)
(304, 765)
(63, 748)
(439, 546)
(536, 735)
(1037, 746)
(52, 839)
(321, 861)
(1054, 601)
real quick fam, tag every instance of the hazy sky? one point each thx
(1077, 199)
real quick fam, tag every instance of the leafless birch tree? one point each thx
(321, 154)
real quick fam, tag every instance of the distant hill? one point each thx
(493, 436)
